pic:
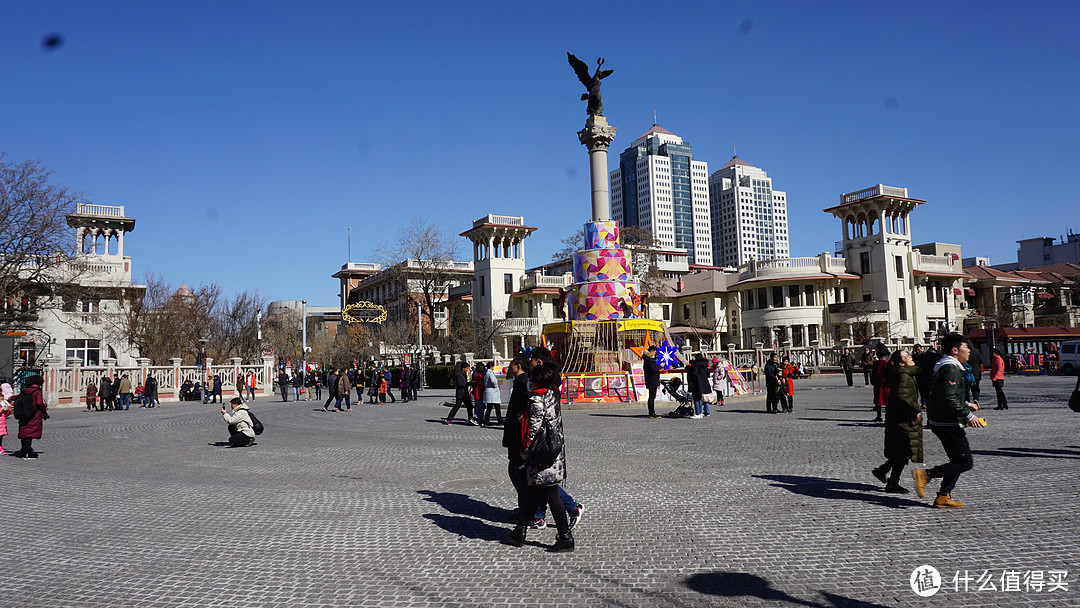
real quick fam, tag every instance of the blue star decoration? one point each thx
(665, 356)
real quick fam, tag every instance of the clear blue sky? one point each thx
(245, 137)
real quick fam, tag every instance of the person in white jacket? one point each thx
(241, 433)
(492, 398)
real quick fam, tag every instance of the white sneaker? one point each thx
(697, 417)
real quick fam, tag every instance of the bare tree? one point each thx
(36, 243)
(646, 258)
(569, 246)
(234, 325)
(420, 263)
(282, 331)
(163, 322)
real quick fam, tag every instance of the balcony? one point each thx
(791, 267)
(458, 291)
(505, 220)
(540, 280)
(518, 326)
(878, 190)
(936, 264)
(99, 210)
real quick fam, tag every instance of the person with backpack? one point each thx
(241, 428)
(543, 475)
(30, 410)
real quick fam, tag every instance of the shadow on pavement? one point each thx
(819, 487)
(218, 444)
(621, 415)
(741, 584)
(469, 527)
(1030, 453)
(462, 504)
(846, 422)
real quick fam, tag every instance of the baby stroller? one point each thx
(684, 408)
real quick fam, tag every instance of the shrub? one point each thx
(440, 376)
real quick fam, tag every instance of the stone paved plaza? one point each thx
(388, 507)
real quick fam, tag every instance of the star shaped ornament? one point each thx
(665, 355)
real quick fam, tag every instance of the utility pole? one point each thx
(420, 342)
(303, 342)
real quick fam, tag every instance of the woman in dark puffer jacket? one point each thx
(903, 421)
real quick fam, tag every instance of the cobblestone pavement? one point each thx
(385, 506)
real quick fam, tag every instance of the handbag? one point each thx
(1074, 400)
(709, 398)
(546, 446)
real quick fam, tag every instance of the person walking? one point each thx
(652, 378)
(903, 421)
(847, 362)
(241, 431)
(543, 482)
(719, 380)
(118, 398)
(462, 394)
(403, 384)
(772, 385)
(124, 391)
(215, 390)
(250, 383)
(997, 378)
(877, 378)
(91, 395)
(697, 376)
(344, 391)
(331, 389)
(6, 393)
(239, 386)
(312, 382)
(389, 393)
(787, 390)
(150, 392)
(949, 411)
(297, 385)
(975, 361)
(283, 383)
(30, 427)
(868, 361)
(478, 392)
(492, 398)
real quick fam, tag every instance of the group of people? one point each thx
(940, 389)
(706, 381)
(117, 394)
(478, 392)
(780, 385)
(377, 382)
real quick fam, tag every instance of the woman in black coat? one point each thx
(698, 379)
(903, 421)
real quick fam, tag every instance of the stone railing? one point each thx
(540, 280)
(878, 190)
(935, 263)
(765, 269)
(519, 325)
(506, 220)
(100, 210)
(65, 386)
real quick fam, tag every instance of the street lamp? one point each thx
(303, 339)
(202, 358)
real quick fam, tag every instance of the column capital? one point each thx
(597, 134)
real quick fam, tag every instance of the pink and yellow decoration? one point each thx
(602, 235)
(599, 300)
(601, 265)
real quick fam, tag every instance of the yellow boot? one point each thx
(921, 479)
(945, 501)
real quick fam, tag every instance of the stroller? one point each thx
(684, 408)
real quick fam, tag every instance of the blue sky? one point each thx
(245, 137)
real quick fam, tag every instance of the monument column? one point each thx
(597, 136)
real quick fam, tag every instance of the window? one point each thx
(778, 296)
(763, 297)
(808, 296)
(481, 283)
(86, 351)
(864, 262)
(793, 295)
(667, 312)
(903, 309)
(899, 267)
(704, 308)
(508, 283)
(750, 299)
(686, 311)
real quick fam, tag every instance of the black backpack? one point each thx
(546, 446)
(24, 407)
(256, 424)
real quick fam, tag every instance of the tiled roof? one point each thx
(735, 160)
(657, 129)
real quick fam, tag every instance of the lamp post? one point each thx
(303, 340)
(202, 359)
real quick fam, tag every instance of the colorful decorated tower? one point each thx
(600, 342)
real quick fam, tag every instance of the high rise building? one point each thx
(660, 187)
(749, 218)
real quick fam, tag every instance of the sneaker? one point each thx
(697, 417)
(473, 422)
(538, 524)
(921, 479)
(2, 451)
(30, 455)
(945, 501)
(446, 421)
(654, 416)
(349, 410)
(575, 515)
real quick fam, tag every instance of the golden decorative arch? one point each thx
(367, 312)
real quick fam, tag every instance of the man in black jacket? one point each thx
(652, 377)
(463, 398)
(772, 385)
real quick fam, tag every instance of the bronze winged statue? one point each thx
(592, 83)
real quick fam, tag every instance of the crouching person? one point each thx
(241, 432)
